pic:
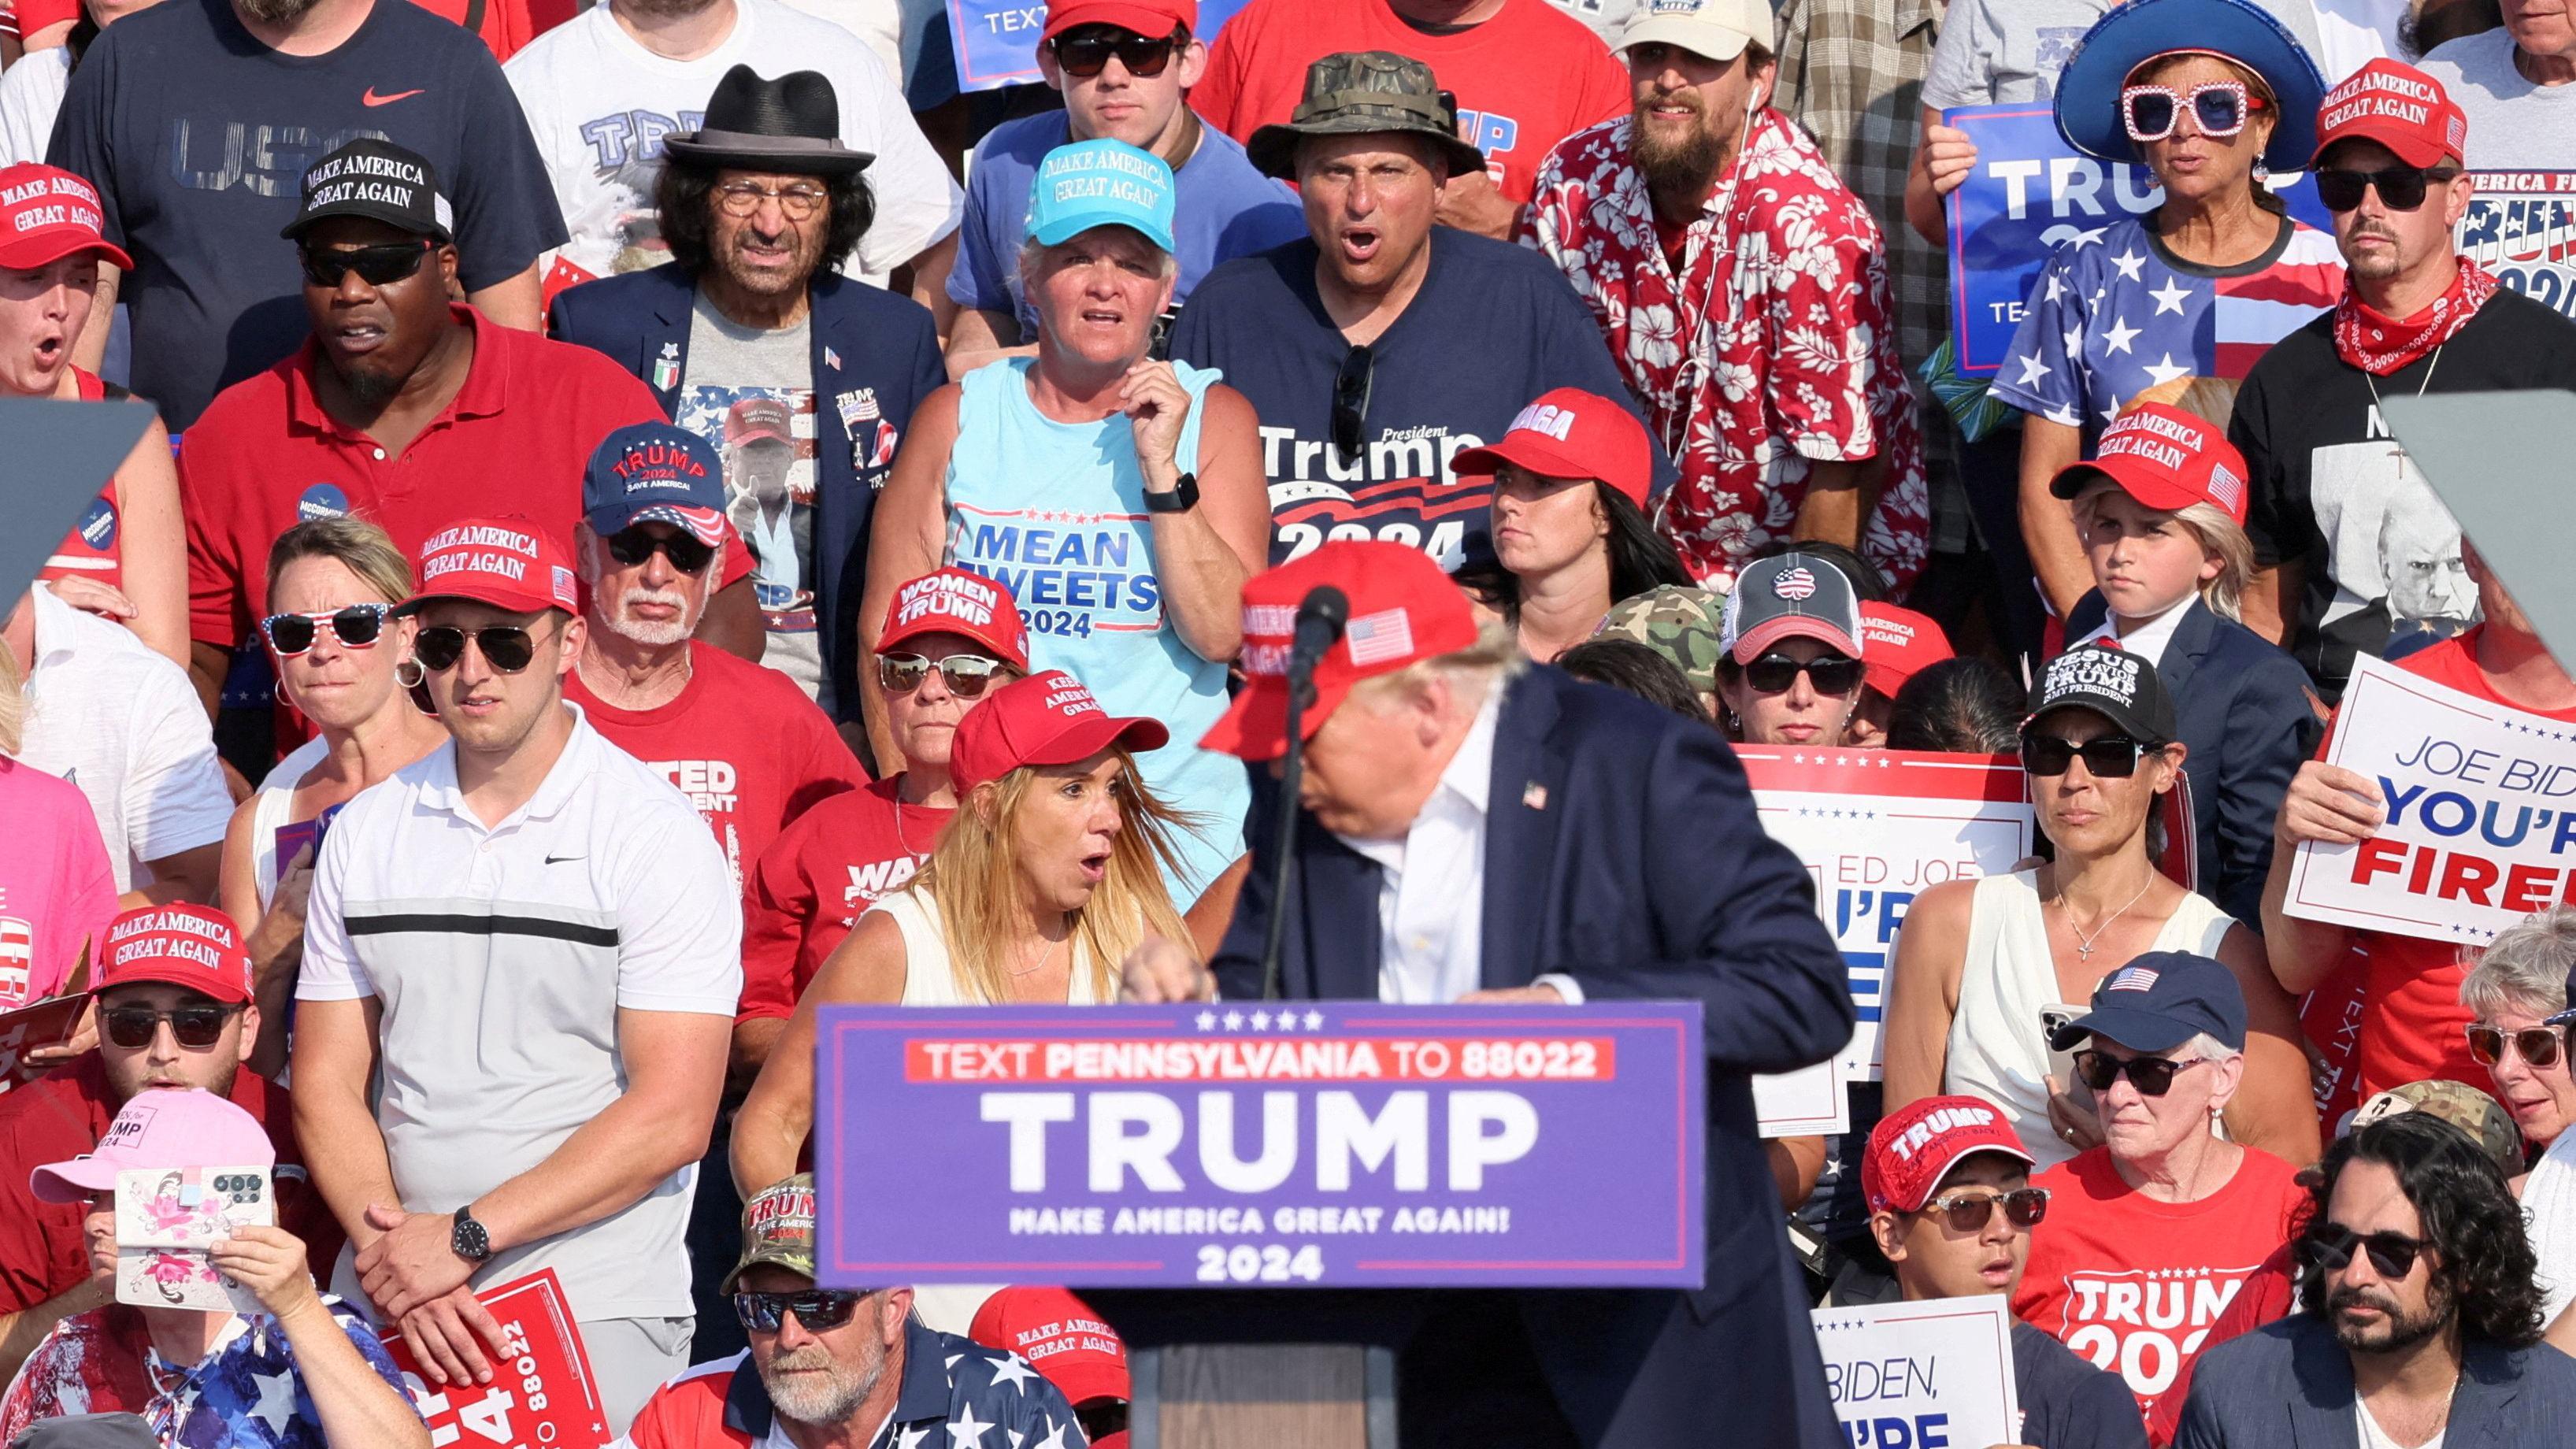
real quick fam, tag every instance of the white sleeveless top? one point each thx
(269, 808)
(1996, 1049)
(929, 978)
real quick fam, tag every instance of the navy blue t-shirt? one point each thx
(197, 136)
(2067, 1403)
(1493, 327)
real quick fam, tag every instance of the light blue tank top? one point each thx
(1056, 512)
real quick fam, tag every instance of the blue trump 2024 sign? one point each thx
(997, 40)
(2029, 193)
(1339, 1144)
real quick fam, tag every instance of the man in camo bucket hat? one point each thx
(1359, 92)
(1683, 624)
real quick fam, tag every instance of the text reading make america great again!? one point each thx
(1293, 1144)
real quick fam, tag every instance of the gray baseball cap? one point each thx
(1790, 596)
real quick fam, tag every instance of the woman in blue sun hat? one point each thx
(2210, 96)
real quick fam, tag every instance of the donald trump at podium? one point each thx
(1478, 828)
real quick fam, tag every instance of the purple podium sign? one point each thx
(1297, 1144)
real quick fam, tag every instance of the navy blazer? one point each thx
(2245, 712)
(875, 357)
(1622, 849)
(2288, 1385)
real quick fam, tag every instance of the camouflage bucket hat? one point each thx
(778, 1229)
(1358, 92)
(2461, 1105)
(1682, 624)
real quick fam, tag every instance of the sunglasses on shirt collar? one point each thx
(375, 265)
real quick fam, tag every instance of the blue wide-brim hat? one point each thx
(2088, 91)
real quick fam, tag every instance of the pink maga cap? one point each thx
(162, 1127)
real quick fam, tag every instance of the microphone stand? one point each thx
(1301, 691)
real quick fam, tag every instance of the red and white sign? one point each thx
(2481, 802)
(541, 1397)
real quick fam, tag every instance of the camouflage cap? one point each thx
(1682, 624)
(2461, 1105)
(778, 1229)
(1361, 91)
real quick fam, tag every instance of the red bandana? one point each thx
(2380, 345)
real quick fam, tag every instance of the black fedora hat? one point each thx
(792, 124)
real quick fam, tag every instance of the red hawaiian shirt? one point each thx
(1759, 358)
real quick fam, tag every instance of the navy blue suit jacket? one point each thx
(2288, 1385)
(2243, 708)
(864, 338)
(1622, 849)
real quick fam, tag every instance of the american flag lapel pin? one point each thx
(1534, 795)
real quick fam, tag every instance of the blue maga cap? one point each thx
(654, 472)
(2159, 1001)
(2088, 90)
(1101, 183)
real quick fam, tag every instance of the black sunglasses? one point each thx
(2401, 188)
(1830, 673)
(2330, 1246)
(2152, 1076)
(359, 626)
(507, 646)
(194, 1026)
(819, 1311)
(375, 265)
(1969, 1212)
(967, 675)
(1351, 388)
(631, 546)
(2537, 1045)
(2109, 757)
(1085, 53)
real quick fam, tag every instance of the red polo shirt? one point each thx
(61, 1116)
(265, 456)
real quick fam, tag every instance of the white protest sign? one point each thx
(1931, 1375)
(1809, 1102)
(2481, 827)
(1875, 828)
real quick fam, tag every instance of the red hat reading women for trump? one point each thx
(953, 601)
(2398, 106)
(1403, 610)
(509, 563)
(47, 214)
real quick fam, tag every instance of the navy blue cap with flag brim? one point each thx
(2088, 90)
(2160, 1000)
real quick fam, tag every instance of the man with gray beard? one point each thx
(829, 1370)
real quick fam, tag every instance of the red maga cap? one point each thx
(2398, 106)
(2166, 459)
(1403, 610)
(1061, 1337)
(509, 563)
(46, 214)
(953, 601)
(176, 945)
(1570, 433)
(1152, 19)
(1897, 642)
(1915, 1146)
(1045, 719)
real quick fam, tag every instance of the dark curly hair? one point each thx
(1626, 665)
(2483, 1258)
(685, 192)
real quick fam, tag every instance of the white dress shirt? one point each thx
(2148, 640)
(1431, 895)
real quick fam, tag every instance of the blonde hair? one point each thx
(2213, 401)
(974, 879)
(357, 545)
(13, 702)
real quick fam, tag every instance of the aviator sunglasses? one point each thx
(507, 646)
(358, 626)
(632, 546)
(2218, 109)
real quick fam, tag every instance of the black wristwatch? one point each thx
(1183, 497)
(469, 1241)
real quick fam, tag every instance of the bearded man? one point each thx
(1743, 289)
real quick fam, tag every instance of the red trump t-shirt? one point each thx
(812, 885)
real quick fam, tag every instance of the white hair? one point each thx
(1471, 673)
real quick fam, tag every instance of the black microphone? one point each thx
(1320, 620)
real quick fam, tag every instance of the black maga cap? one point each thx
(2159, 1001)
(379, 181)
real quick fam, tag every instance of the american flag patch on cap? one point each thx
(2132, 978)
(1379, 637)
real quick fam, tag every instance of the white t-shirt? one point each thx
(2374, 1437)
(30, 92)
(2514, 125)
(2549, 1201)
(501, 957)
(878, 22)
(600, 106)
(124, 724)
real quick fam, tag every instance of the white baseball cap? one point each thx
(1718, 29)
